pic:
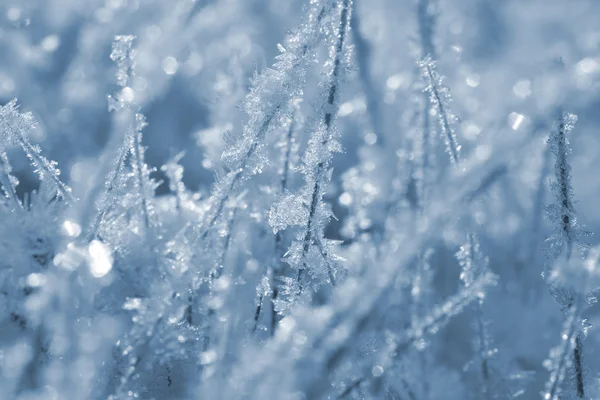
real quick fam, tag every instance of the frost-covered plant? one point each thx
(321, 262)
(27, 270)
(268, 289)
(567, 235)
(268, 100)
(15, 126)
(474, 263)
(439, 98)
(128, 127)
(311, 254)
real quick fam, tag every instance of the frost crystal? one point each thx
(14, 127)
(124, 56)
(288, 210)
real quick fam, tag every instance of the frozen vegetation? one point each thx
(299, 199)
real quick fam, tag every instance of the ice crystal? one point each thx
(123, 55)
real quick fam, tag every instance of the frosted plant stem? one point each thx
(218, 270)
(426, 163)
(328, 120)
(474, 264)
(577, 354)
(15, 125)
(563, 176)
(110, 188)
(566, 225)
(139, 169)
(443, 116)
(418, 302)
(272, 270)
(564, 239)
(560, 356)
(439, 98)
(220, 197)
(132, 124)
(43, 164)
(426, 24)
(426, 28)
(563, 211)
(286, 156)
(237, 175)
(484, 350)
(215, 274)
